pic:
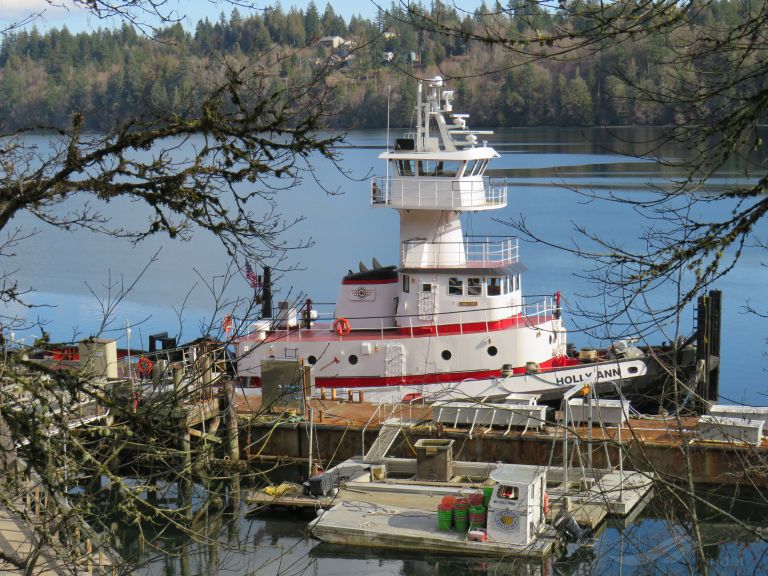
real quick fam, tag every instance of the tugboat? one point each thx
(451, 315)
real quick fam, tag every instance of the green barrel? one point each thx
(477, 517)
(461, 519)
(444, 516)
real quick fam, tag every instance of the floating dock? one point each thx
(597, 496)
(389, 527)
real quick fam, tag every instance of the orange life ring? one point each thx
(144, 367)
(227, 324)
(341, 326)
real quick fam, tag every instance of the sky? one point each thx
(56, 13)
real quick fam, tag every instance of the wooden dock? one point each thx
(343, 429)
(19, 542)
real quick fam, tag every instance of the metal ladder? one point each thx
(389, 431)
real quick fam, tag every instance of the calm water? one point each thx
(71, 272)
(66, 270)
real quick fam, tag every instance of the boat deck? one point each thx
(324, 332)
(358, 523)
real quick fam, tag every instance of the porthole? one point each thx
(492, 351)
(352, 359)
(632, 369)
(446, 354)
(311, 360)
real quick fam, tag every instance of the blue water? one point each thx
(186, 292)
(74, 276)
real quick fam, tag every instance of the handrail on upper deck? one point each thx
(468, 253)
(439, 193)
(541, 308)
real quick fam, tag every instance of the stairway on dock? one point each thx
(388, 433)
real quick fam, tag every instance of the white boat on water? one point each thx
(451, 315)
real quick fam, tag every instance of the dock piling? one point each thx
(708, 316)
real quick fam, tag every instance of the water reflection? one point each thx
(276, 543)
(543, 164)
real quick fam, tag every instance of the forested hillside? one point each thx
(114, 74)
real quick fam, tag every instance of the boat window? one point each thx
(493, 286)
(426, 167)
(406, 283)
(405, 167)
(505, 284)
(519, 280)
(450, 168)
(474, 288)
(455, 286)
(480, 168)
(426, 287)
(471, 165)
(508, 492)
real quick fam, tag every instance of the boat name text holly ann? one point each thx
(586, 376)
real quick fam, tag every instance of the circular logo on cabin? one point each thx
(362, 293)
(506, 520)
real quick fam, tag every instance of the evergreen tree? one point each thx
(332, 24)
(312, 25)
(294, 29)
(274, 18)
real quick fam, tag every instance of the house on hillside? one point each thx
(331, 41)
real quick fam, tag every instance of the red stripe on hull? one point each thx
(419, 379)
(407, 380)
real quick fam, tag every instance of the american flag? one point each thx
(251, 276)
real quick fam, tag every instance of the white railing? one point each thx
(466, 254)
(374, 326)
(439, 193)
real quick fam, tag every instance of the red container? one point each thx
(475, 499)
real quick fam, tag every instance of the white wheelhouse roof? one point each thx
(479, 153)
